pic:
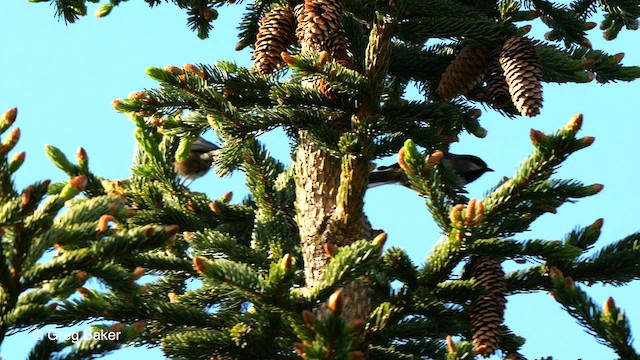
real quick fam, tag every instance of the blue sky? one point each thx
(63, 79)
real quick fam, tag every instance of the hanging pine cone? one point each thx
(318, 21)
(338, 46)
(320, 28)
(487, 311)
(521, 65)
(497, 88)
(464, 72)
(275, 35)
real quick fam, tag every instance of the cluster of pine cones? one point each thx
(316, 23)
(512, 73)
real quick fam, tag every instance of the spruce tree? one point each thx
(296, 269)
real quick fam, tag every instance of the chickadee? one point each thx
(468, 167)
(199, 160)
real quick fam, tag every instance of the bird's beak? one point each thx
(489, 169)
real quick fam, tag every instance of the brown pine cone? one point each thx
(465, 71)
(487, 311)
(497, 87)
(275, 35)
(522, 70)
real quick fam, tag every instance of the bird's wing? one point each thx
(202, 146)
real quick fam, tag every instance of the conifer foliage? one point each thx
(296, 270)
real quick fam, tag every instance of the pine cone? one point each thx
(275, 35)
(521, 65)
(497, 88)
(465, 71)
(320, 28)
(487, 311)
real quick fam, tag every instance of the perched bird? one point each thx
(468, 168)
(199, 160)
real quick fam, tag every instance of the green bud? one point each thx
(59, 159)
(103, 10)
(7, 119)
(16, 162)
(183, 149)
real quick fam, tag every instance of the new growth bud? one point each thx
(536, 136)
(84, 292)
(103, 222)
(609, 305)
(308, 318)
(587, 140)
(81, 155)
(598, 224)
(618, 57)
(226, 198)
(403, 163)
(287, 58)
(300, 348)
(451, 345)
(286, 261)
(138, 95)
(330, 249)
(575, 123)
(82, 277)
(322, 59)
(215, 208)
(79, 183)
(568, 283)
(479, 212)
(596, 188)
(554, 273)
(211, 120)
(194, 69)
(524, 30)
(434, 159)
(117, 327)
(16, 161)
(138, 326)
(470, 212)
(174, 70)
(103, 10)
(210, 14)
(138, 272)
(51, 307)
(170, 233)
(454, 215)
(25, 196)
(380, 239)
(336, 303)
(7, 119)
(10, 142)
(200, 264)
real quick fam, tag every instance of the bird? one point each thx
(468, 168)
(199, 160)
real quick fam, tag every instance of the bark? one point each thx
(329, 211)
(329, 190)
